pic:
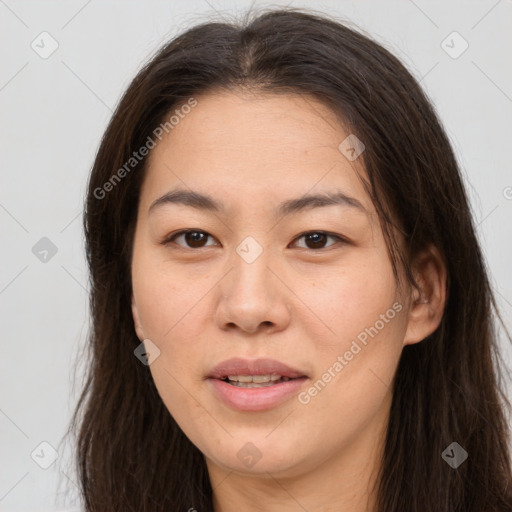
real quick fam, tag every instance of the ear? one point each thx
(427, 305)
(136, 321)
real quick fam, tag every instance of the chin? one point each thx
(260, 458)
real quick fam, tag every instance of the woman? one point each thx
(290, 308)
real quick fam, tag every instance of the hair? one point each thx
(130, 453)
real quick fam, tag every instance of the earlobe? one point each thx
(136, 321)
(428, 302)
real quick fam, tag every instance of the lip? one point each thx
(239, 366)
(255, 399)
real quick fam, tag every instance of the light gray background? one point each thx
(53, 113)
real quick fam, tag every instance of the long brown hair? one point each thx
(130, 454)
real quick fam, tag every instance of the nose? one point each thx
(253, 298)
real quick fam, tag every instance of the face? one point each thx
(266, 275)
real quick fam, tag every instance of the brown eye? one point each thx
(194, 239)
(318, 239)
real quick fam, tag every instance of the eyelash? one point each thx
(173, 237)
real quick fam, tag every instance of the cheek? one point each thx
(357, 360)
(176, 323)
(353, 385)
(166, 299)
(351, 298)
(173, 313)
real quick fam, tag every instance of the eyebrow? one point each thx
(207, 203)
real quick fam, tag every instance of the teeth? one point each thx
(261, 378)
(258, 379)
(255, 381)
(251, 384)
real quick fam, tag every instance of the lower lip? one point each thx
(256, 399)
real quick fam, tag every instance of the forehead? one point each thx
(249, 147)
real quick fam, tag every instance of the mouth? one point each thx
(255, 385)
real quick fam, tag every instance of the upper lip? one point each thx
(239, 366)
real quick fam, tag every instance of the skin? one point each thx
(202, 303)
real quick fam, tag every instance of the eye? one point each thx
(318, 239)
(194, 238)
